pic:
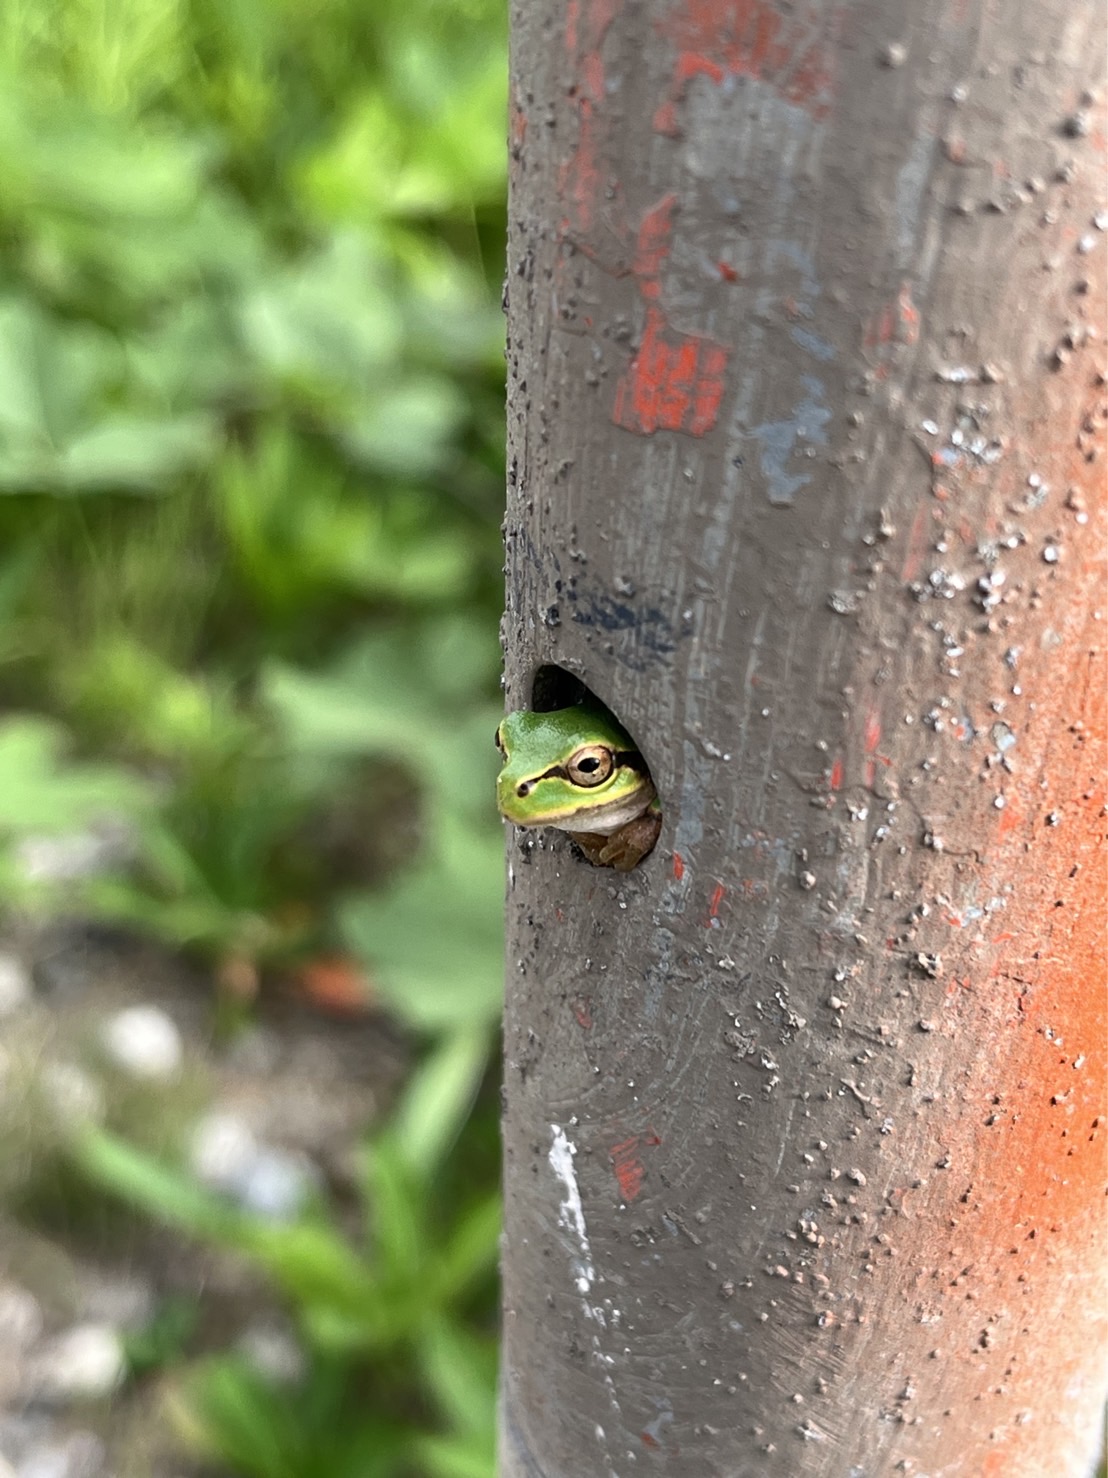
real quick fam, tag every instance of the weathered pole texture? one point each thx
(804, 1117)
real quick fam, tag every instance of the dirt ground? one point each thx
(96, 1025)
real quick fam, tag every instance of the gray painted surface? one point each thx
(789, 295)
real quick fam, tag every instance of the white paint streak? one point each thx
(571, 1214)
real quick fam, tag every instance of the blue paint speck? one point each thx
(779, 440)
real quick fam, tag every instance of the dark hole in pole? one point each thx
(553, 687)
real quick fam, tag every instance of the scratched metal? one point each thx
(805, 449)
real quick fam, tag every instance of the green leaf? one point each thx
(328, 323)
(41, 791)
(404, 429)
(164, 1194)
(434, 943)
(134, 452)
(232, 1412)
(460, 1369)
(437, 1099)
(60, 429)
(471, 1251)
(331, 1284)
(395, 1201)
(68, 156)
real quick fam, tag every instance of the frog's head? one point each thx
(574, 769)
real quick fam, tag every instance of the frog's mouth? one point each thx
(602, 819)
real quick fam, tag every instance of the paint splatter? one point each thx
(779, 440)
(652, 246)
(894, 325)
(718, 39)
(571, 1214)
(711, 918)
(674, 383)
(628, 1167)
(675, 380)
(580, 178)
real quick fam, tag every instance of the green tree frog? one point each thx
(575, 769)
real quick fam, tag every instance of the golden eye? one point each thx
(591, 765)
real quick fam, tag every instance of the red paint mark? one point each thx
(628, 1167)
(674, 383)
(675, 380)
(908, 314)
(573, 10)
(678, 866)
(717, 898)
(838, 769)
(1009, 819)
(893, 324)
(727, 272)
(593, 72)
(580, 179)
(879, 330)
(652, 246)
(871, 735)
(869, 774)
(582, 1010)
(665, 120)
(717, 39)
(647, 1440)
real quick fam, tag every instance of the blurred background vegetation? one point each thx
(251, 385)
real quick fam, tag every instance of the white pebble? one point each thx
(223, 1149)
(272, 1352)
(84, 1363)
(20, 1318)
(276, 1185)
(15, 984)
(145, 1042)
(80, 1455)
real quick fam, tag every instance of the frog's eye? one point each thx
(591, 765)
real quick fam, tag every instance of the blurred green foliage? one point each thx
(250, 431)
(400, 1375)
(250, 481)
